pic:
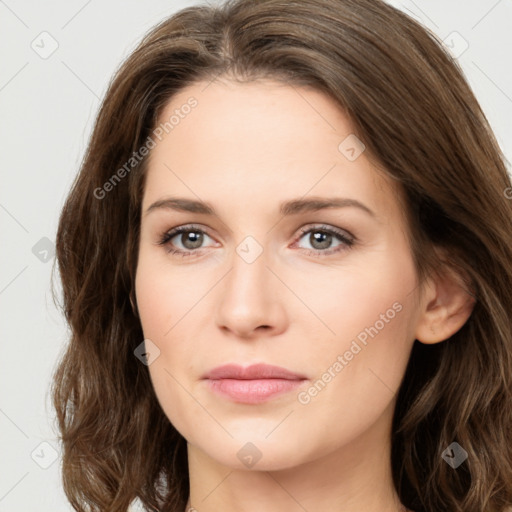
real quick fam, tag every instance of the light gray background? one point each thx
(48, 106)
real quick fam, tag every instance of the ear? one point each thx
(446, 306)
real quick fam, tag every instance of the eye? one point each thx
(321, 238)
(190, 237)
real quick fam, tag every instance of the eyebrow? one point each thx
(292, 207)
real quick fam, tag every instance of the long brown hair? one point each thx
(421, 124)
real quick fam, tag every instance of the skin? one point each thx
(245, 149)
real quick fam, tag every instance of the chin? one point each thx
(255, 453)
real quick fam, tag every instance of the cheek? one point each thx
(358, 371)
(154, 305)
(159, 293)
(160, 308)
(361, 365)
(165, 291)
(371, 303)
(165, 302)
(347, 302)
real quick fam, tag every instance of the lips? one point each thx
(255, 372)
(252, 385)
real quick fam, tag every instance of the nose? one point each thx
(250, 304)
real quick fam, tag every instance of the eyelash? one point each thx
(348, 241)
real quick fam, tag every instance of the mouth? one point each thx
(254, 384)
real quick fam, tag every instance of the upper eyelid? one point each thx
(326, 227)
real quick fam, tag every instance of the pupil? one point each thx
(316, 239)
(193, 240)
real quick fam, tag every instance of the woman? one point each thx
(218, 363)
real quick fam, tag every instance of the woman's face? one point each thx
(266, 274)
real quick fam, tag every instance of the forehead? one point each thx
(257, 142)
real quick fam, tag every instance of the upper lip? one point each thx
(255, 371)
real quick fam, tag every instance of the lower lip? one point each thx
(253, 391)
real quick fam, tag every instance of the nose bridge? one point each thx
(248, 280)
(249, 298)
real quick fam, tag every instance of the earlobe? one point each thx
(446, 307)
